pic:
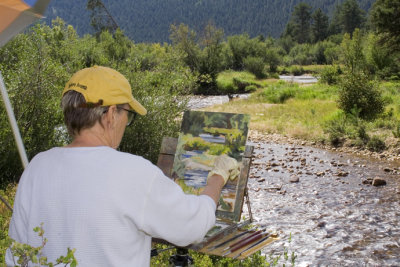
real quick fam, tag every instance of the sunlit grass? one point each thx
(296, 117)
(302, 111)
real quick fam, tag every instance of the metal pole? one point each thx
(13, 122)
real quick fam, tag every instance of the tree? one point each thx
(239, 49)
(386, 17)
(299, 24)
(185, 40)
(319, 26)
(100, 18)
(352, 52)
(334, 25)
(357, 94)
(351, 16)
(211, 57)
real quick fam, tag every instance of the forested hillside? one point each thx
(150, 20)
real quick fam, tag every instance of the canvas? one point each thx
(203, 137)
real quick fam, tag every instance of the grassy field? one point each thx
(310, 112)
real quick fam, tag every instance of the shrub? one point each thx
(240, 83)
(230, 82)
(280, 92)
(376, 144)
(273, 59)
(255, 65)
(250, 88)
(296, 70)
(396, 131)
(274, 75)
(226, 86)
(356, 91)
(336, 128)
(330, 75)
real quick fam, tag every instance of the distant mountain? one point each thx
(150, 20)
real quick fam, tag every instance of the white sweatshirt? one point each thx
(106, 204)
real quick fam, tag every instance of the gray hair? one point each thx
(79, 115)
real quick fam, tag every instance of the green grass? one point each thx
(226, 80)
(302, 111)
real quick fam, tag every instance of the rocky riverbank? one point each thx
(323, 197)
(392, 154)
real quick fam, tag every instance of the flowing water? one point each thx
(334, 219)
(323, 200)
(303, 79)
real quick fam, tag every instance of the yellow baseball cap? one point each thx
(103, 85)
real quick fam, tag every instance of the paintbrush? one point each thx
(244, 239)
(245, 243)
(231, 239)
(254, 245)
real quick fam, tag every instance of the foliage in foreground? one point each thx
(26, 255)
(286, 258)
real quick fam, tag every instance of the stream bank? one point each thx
(325, 201)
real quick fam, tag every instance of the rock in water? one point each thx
(294, 179)
(378, 181)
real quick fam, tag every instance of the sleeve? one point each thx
(174, 216)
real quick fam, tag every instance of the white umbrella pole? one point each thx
(13, 122)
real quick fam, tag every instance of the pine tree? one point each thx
(319, 27)
(386, 17)
(100, 18)
(351, 16)
(299, 26)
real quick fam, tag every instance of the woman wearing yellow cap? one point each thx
(105, 203)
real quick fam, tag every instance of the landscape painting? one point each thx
(203, 137)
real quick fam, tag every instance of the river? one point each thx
(325, 202)
(334, 219)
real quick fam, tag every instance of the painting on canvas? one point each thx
(203, 137)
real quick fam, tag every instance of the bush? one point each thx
(336, 128)
(230, 82)
(376, 144)
(356, 91)
(273, 59)
(280, 92)
(274, 75)
(250, 88)
(341, 126)
(255, 65)
(330, 75)
(296, 70)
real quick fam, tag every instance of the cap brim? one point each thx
(137, 107)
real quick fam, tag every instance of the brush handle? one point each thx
(247, 241)
(244, 239)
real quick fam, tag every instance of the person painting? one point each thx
(105, 203)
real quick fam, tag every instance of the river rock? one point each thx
(367, 181)
(388, 170)
(294, 179)
(378, 181)
(261, 180)
(342, 173)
